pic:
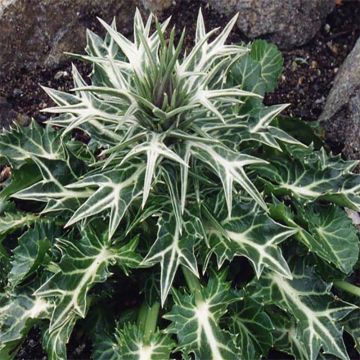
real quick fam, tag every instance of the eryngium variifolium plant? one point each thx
(191, 223)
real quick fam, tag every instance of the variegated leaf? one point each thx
(30, 253)
(116, 190)
(308, 299)
(85, 262)
(249, 232)
(173, 247)
(229, 166)
(18, 311)
(196, 321)
(328, 232)
(253, 327)
(26, 143)
(10, 222)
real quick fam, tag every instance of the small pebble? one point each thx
(61, 74)
(314, 64)
(17, 92)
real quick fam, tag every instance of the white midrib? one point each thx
(145, 352)
(289, 292)
(301, 190)
(241, 239)
(202, 314)
(103, 256)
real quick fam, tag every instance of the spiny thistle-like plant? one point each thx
(148, 230)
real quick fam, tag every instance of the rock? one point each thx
(341, 114)
(157, 6)
(38, 32)
(8, 116)
(288, 23)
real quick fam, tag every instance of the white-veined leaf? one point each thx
(328, 232)
(308, 299)
(253, 327)
(173, 247)
(84, 263)
(249, 232)
(229, 166)
(155, 150)
(22, 144)
(117, 189)
(17, 314)
(30, 252)
(10, 222)
(271, 62)
(196, 322)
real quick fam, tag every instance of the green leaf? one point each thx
(351, 325)
(26, 143)
(334, 236)
(287, 336)
(105, 348)
(30, 252)
(54, 342)
(308, 182)
(85, 262)
(173, 247)
(249, 232)
(155, 149)
(18, 311)
(51, 189)
(271, 62)
(11, 221)
(254, 329)
(196, 323)
(229, 166)
(329, 232)
(132, 345)
(308, 299)
(116, 191)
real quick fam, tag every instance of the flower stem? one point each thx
(193, 283)
(346, 286)
(147, 319)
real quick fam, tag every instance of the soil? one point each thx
(308, 75)
(307, 78)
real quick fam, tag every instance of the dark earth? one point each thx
(307, 78)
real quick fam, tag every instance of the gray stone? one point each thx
(341, 114)
(288, 23)
(38, 32)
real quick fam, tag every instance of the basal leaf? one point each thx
(351, 325)
(116, 191)
(54, 342)
(309, 183)
(253, 327)
(196, 321)
(271, 62)
(133, 346)
(30, 252)
(18, 312)
(329, 233)
(229, 166)
(23, 144)
(173, 247)
(84, 263)
(10, 222)
(287, 336)
(308, 299)
(249, 232)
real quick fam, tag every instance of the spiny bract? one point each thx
(185, 168)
